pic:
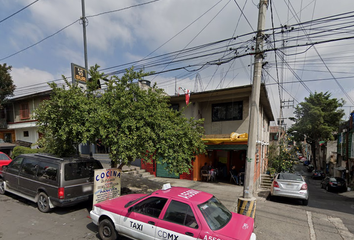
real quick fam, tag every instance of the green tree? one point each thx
(64, 119)
(137, 123)
(130, 121)
(280, 157)
(317, 118)
(7, 86)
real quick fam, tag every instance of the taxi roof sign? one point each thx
(166, 186)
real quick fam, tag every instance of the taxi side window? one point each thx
(150, 207)
(180, 213)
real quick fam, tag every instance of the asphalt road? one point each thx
(327, 216)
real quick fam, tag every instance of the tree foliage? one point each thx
(280, 157)
(317, 118)
(7, 86)
(132, 122)
(64, 119)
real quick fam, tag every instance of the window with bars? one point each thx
(227, 111)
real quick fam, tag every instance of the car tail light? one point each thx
(61, 194)
(275, 184)
(303, 187)
(331, 183)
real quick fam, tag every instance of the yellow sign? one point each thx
(79, 74)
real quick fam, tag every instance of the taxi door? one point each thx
(179, 222)
(142, 218)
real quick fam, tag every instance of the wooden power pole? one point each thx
(247, 204)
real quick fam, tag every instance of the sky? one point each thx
(190, 44)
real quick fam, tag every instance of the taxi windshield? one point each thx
(215, 213)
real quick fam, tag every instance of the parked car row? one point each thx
(318, 174)
(49, 181)
(334, 184)
(169, 213)
(293, 185)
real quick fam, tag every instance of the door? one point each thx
(179, 222)
(141, 221)
(162, 172)
(11, 174)
(27, 183)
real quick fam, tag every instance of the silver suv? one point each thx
(49, 181)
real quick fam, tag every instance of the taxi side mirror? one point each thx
(130, 209)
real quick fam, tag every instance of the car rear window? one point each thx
(215, 213)
(80, 170)
(289, 176)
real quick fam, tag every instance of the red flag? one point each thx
(188, 94)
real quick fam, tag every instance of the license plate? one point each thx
(290, 186)
(86, 188)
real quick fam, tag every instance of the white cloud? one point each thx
(129, 35)
(27, 80)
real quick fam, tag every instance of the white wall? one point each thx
(32, 134)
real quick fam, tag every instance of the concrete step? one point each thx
(147, 175)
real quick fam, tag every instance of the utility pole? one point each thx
(247, 204)
(84, 23)
(83, 19)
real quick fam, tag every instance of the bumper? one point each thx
(95, 217)
(69, 202)
(298, 195)
(253, 236)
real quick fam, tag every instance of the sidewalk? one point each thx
(227, 193)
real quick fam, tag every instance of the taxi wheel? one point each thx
(43, 202)
(106, 230)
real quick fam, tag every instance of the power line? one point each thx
(18, 11)
(340, 86)
(62, 29)
(24, 49)
(121, 9)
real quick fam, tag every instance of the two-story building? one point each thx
(225, 111)
(18, 123)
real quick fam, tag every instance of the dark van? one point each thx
(49, 181)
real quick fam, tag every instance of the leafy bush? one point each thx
(280, 158)
(271, 171)
(23, 150)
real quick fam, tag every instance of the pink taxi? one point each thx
(173, 213)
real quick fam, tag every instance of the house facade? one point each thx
(343, 166)
(225, 113)
(18, 122)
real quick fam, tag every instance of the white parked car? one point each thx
(290, 185)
